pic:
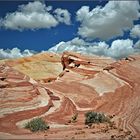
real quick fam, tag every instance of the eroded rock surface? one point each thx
(43, 66)
(21, 98)
(85, 83)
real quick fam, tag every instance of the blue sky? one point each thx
(42, 37)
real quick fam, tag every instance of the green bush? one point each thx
(95, 117)
(37, 124)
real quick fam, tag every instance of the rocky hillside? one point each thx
(76, 85)
(39, 66)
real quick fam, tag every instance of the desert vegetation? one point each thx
(37, 124)
(95, 117)
(73, 118)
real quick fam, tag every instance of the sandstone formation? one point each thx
(84, 83)
(39, 66)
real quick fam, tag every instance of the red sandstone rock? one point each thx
(86, 83)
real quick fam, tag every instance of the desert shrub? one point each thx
(37, 124)
(95, 117)
(74, 117)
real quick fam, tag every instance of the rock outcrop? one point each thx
(39, 67)
(104, 85)
(21, 98)
(84, 83)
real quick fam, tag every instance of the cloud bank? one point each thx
(137, 45)
(135, 31)
(35, 15)
(119, 48)
(108, 21)
(101, 22)
(105, 23)
(14, 53)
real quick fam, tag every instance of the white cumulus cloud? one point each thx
(118, 49)
(34, 15)
(137, 45)
(14, 53)
(121, 48)
(76, 44)
(108, 21)
(135, 32)
(62, 15)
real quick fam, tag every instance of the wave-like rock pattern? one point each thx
(111, 87)
(85, 83)
(21, 98)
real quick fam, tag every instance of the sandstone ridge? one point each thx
(84, 83)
